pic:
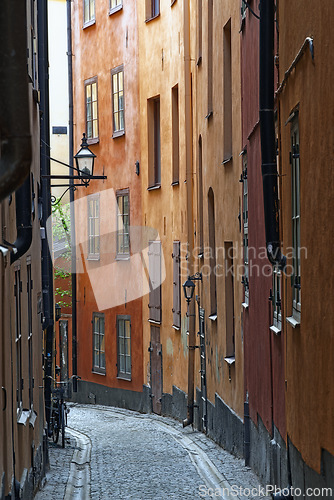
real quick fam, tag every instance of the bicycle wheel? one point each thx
(62, 413)
(55, 427)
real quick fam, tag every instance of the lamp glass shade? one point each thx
(85, 162)
(188, 288)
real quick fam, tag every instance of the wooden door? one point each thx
(156, 369)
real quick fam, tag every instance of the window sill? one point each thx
(32, 418)
(275, 330)
(201, 255)
(227, 160)
(199, 61)
(154, 322)
(172, 3)
(23, 416)
(210, 113)
(93, 140)
(89, 23)
(293, 322)
(122, 257)
(124, 377)
(152, 188)
(245, 305)
(230, 360)
(152, 18)
(176, 183)
(96, 371)
(93, 257)
(176, 327)
(213, 317)
(118, 133)
(115, 9)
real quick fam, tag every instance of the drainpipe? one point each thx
(23, 221)
(15, 138)
(267, 130)
(189, 183)
(47, 267)
(72, 211)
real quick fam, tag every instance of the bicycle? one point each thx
(59, 411)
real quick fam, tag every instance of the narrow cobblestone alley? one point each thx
(119, 454)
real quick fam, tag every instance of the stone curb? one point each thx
(207, 470)
(78, 484)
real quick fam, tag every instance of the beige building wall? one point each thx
(218, 127)
(161, 49)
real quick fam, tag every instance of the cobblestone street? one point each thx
(119, 454)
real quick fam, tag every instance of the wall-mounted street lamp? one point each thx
(84, 166)
(189, 286)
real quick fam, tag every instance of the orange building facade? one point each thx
(109, 304)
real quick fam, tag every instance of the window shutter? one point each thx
(155, 280)
(176, 285)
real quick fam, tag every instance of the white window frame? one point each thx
(99, 333)
(118, 95)
(277, 299)
(92, 111)
(91, 12)
(93, 217)
(126, 354)
(121, 228)
(295, 219)
(115, 6)
(245, 228)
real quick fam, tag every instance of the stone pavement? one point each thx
(114, 453)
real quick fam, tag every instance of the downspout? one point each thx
(23, 208)
(189, 184)
(15, 138)
(267, 130)
(269, 167)
(47, 267)
(72, 210)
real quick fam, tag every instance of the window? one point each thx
(89, 12)
(295, 204)
(199, 35)
(99, 356)
(152, 9)
(18, 339)
(245, 279)
(117, 86)
(93, 226)
(210, 57)
(92, 131)
(176, 286)
(155, 281)
(200, 197)
(154, 143)
(115, 5)
(276, 299)
(229, 299)
(32, 46)
(30, 344)
(123, 223)
(227, 111)
(175, 133)
(212, 255)
(243, 9)
(124, 347)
